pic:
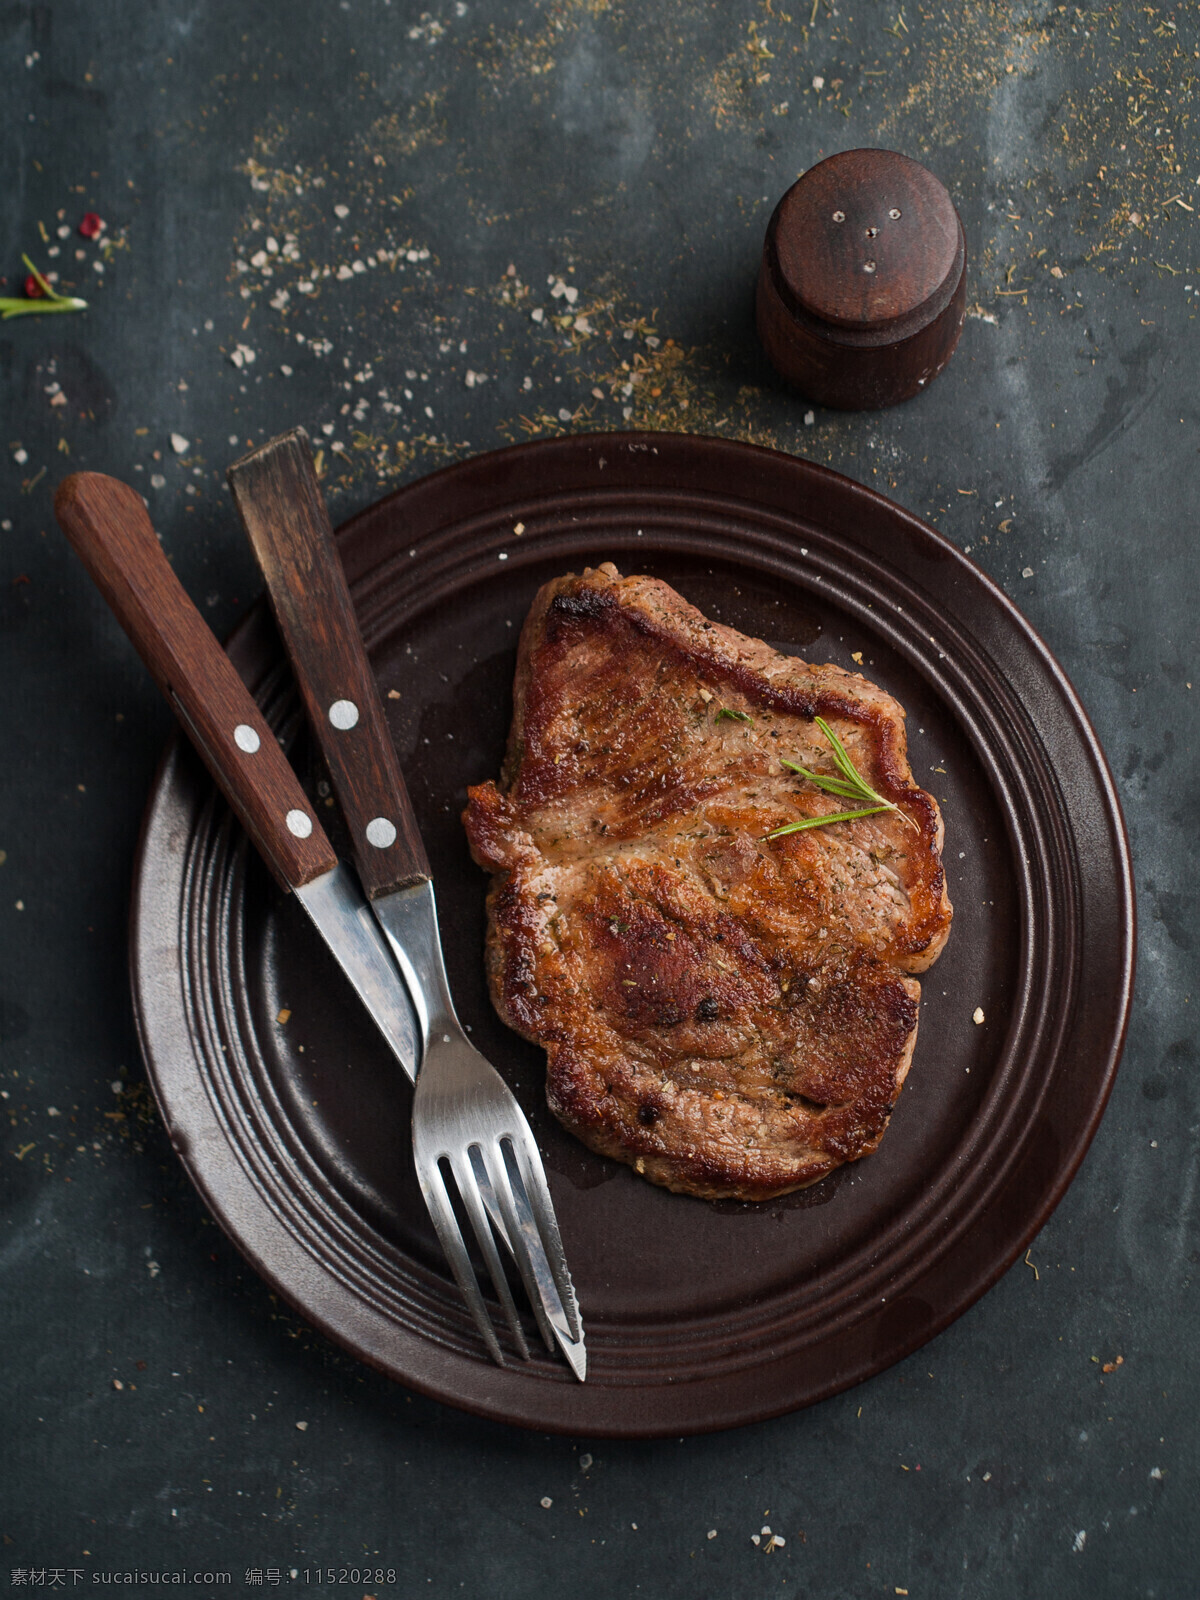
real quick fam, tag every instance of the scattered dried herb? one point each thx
(735, 716)
(45, 299)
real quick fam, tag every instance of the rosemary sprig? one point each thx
(11, 306)
(734, 716)
(850, 786)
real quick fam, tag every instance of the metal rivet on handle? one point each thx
(299, 823)
(245, 738)
(343, 714)
(381, 833)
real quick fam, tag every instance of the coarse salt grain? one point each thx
(341, 211)
(712, 1533)
(302, 1426)
(818, 82)
(977, 1015)
(546, 1502)
(179, 444)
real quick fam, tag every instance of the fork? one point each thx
(466, 1119)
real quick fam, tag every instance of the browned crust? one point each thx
(771, 1020)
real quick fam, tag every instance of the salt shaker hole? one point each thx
(868, 266)
(872, 232)
(894, 214)
(839, 216)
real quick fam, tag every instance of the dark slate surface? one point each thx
(635, 151)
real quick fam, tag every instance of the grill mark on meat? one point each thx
(732, 1016)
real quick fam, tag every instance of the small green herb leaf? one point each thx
(53, 301)
(851, 785)
(819, 822)
(735, 716)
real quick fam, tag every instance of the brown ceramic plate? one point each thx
(699, 1316)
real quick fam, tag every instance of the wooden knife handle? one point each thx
(276, 492)
(110, 529)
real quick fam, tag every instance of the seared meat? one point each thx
(732, 1015)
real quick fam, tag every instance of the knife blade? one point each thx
(109, 527)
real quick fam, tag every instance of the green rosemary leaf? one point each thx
(853, 775)
(11, 307)
(850, 786)
(819, 822)
(844, 764)
(849, 791)
(736, 716)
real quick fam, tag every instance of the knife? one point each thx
(109, 527)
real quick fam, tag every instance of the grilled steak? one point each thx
(730, 1014)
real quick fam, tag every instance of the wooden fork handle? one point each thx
(276, 492)
(107, 523)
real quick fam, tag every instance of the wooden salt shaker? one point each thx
(862, 287)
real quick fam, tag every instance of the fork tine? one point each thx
(510, 1211)
(433, 1187)
(533, 1176)
(531, 1257)
(469, 1187)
